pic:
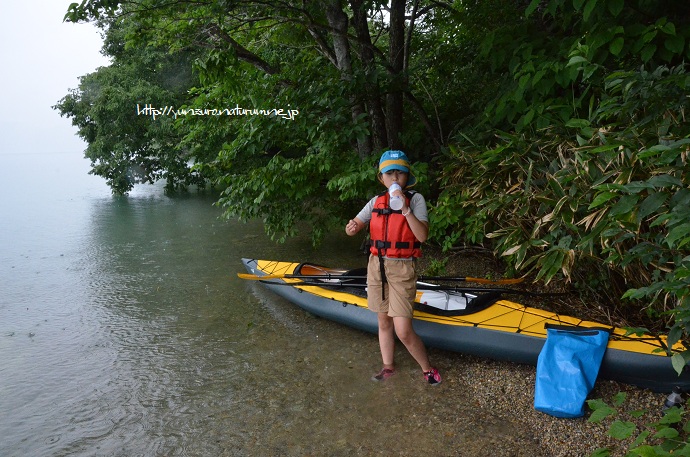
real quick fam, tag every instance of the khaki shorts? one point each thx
(400, 286)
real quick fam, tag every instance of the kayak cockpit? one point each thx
(428, 300)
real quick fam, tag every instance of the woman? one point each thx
(396, 238)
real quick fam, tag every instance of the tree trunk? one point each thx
(372, 93)
(396, 57)
(337, 20)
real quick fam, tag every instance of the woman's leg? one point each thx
(386, 339)
(412, 341)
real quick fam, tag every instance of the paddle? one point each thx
(470, 279)
(422, 286)
(338, 276)
(341, 277)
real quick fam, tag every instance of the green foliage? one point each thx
(664, 437)
(587, 180)
(445, 221)
(437, 267)
(292, 174)
(621, 198)
(284, 193)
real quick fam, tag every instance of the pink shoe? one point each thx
(432, 377)
(383, 374)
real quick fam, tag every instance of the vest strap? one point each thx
(386, 211)
(382, 270)
(379, 244)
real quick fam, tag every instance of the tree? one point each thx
(120, 111)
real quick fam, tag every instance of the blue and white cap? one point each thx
(397, 160)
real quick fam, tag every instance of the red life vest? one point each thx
(390, 233)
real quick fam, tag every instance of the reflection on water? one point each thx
(124, 332)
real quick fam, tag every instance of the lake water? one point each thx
(124, 331)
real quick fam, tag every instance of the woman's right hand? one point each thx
(352, 227)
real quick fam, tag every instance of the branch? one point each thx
(242, 52)
(408, 39)
(322, 46)
(424, 118)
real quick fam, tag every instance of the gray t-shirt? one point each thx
(417, 206)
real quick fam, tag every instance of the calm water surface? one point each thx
(124, 331)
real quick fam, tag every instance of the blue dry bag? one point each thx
(567, 368)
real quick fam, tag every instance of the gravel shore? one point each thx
(507, 389)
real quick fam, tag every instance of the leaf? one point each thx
(597, 403)
(665, 181)
(649, 34)
(589, 8)
(653, 151)
(577, 123)
(575, 60)
(674, 335)
(647, 52)
(645, 451)
(606, 147)
(600, 414)
(550, 264)
(619, 398)
(577, 4)
(683, 450)
(512, 250)
(678, 232)
(625, 205)
(675, 44)
(635, 187)
(678, 362)
(615, 7)
(672, 416)
(681, 197)
(668, 28)
(651, 204)
(532, 7)
(537, 77)
(640, 439)
(602, 198)
(621, 429)
(666, 433)
(616, 46)
(637, 331)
